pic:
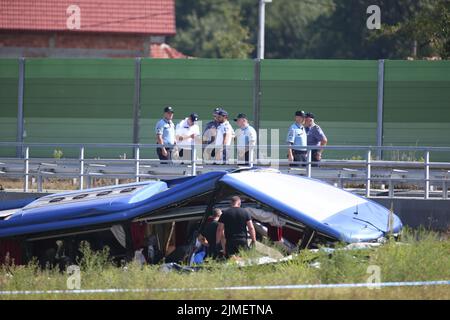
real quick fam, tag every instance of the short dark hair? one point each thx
(235, 199)
(217, 212)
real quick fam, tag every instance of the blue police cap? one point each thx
(194, 117)
(222, 113)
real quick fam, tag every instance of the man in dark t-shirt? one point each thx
(210, 231)
(232, 228)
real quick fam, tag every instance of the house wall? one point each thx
(75, 44)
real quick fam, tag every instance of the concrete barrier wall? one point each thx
(432, 214)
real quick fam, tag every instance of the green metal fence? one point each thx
(69, 100)
(341, 94)
(417, 105)
(193, 86)
(9, 78)
(104, 100)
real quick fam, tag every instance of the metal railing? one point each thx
(368, 171)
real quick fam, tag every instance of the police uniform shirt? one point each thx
(297, 136)
(315, 135)
(166, 129)
(210, 132)
(183, 129)
(222, 129)
(246, 137)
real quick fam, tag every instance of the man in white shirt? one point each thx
(224, 137)
(186, 132)
(246, 139)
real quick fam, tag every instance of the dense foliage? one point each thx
(314, 29)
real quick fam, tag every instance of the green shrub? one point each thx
(93, 261)
(58, 153)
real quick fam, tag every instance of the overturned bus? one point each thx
(168, 214)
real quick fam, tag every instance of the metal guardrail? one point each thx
(369, 171)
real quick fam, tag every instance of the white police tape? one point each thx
(273, 287)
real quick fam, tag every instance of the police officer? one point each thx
(186, 132)
(209, 135)
(297, 139)
(316, 137)
(165, 135)
(224, 137)
(245, 138)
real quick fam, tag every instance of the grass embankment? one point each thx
(421, 256)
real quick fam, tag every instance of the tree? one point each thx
(343, 34)
(288, 29)
(428, 28)
(327, 29)
(336, 29)
(212, 29)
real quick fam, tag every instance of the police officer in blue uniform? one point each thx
(165, 135)
(316, 137)
(297, 139)
(209, 135)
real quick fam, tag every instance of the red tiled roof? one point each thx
(131, 16)
(164, 51)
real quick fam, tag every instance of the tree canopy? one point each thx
(212, 29)
(313, 29)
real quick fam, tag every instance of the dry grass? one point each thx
(53, 184)
(422, 256)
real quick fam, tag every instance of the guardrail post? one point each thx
(81, 168)
(391, 188)
(445, 189)
(88, 181)
(137, 157)
(27, 168)
(368, 172)
(391, 184)
(427, 174)
(39, 182)
(193, 159)
(308, 165)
